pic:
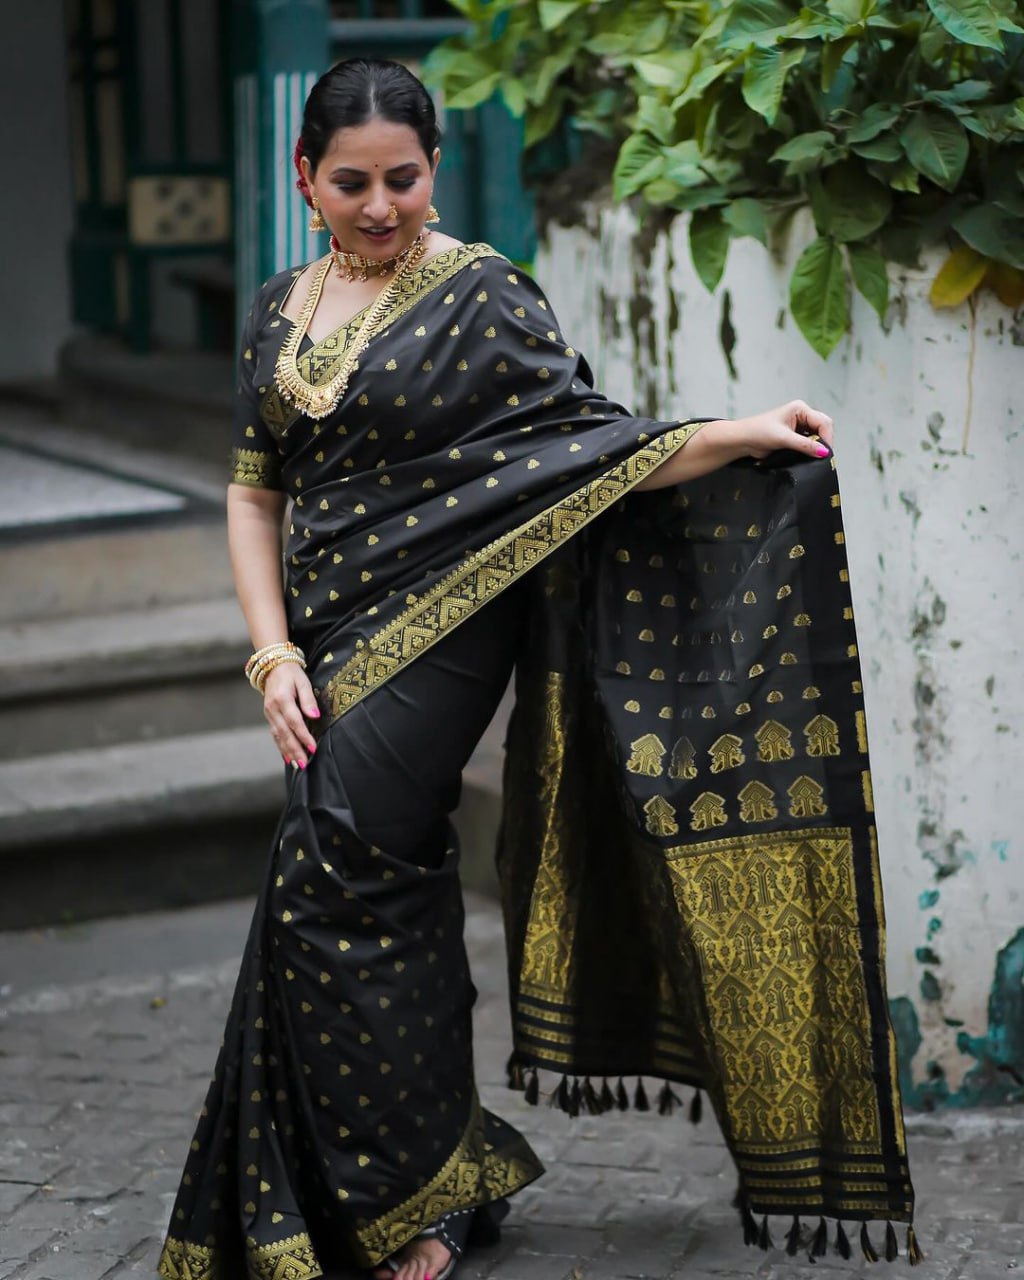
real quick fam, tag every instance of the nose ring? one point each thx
(392, 213)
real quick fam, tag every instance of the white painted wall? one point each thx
(931, 457)
(36, 214)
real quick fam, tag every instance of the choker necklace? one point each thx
(354, 266)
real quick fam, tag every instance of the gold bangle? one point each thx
(278, 646)
(267, 648)
(259, 678)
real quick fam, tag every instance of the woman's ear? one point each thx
(307, 170)
(435, 160)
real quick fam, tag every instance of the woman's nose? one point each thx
(376, 206)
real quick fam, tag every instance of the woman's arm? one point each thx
(716, 444)
(254, 541)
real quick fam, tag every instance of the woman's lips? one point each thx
(378, 235)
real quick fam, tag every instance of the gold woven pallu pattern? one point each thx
(688, 857)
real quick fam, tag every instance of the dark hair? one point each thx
(361, 89)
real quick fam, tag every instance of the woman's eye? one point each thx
(350, 187)
(403, 184)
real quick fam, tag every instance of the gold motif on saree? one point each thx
(774, 742)
(822, 734)
(489, 571)
(757, 803)
(805, 798)
(660, 817)
(800, 1021)
(647, 755)
(708, 811)
(726, 752)
(682, 766)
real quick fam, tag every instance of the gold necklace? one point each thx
(319, 401)
(353, 266)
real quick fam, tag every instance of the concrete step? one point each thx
(87, 527)
(71, 683)
(172, 822)
(176, 401)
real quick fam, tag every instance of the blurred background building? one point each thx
(149, 191)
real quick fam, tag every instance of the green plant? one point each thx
(898, 123)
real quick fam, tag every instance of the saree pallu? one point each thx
(470, 459)
(688, 858)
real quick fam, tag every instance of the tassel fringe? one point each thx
(640, 1102)
(695, 1107)
(892, 1249)
(866, 1247)
(607, 1098)
(842, 1242)
(764, 1238)
(793, 1238)
(751, 1235)
(531, 1091)
(575, 1096)
(914, 1254)
(621, 1096)
(516, 1074)
(819, 1245)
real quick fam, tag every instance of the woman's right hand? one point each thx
(288, 702)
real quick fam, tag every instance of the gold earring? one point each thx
(392, 213)
(432, 214)
(316, 222)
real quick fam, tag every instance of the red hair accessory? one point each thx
(302, 184)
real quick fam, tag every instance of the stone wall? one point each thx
(931, 457)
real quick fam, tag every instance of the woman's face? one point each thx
(365, 171)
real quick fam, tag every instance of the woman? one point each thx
(457, 490)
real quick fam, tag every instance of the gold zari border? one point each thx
(488, 572)
(293, 1259)
(472, 1175)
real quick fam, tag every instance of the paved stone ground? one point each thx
(107, 1036)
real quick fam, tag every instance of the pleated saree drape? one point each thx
(690, 878)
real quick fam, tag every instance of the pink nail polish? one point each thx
(311, 747)
(822, 451)
(315, 713)
(287, 759)
(302, 764)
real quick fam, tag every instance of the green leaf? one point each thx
(553, 13)
(819, 295)
(541, 120)
(666, 70)
(870, 276)
(704, 79)
(655, 117)
(873, 121)
(887, 147)
(473, 94)
(958, 277)
(936, 145)
(514, 94)
(747, 217)
(683, 164)
(709, 246)
(970, 21)
(848, 204)
(996, 234)
(640, 161)
(960, 95)
(832, 55)
(759, 22)
(764, 79)
(804, 147)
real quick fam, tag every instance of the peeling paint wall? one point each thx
(930, 442)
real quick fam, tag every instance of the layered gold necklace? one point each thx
(319, 400)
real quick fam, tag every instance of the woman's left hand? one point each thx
(790, 426)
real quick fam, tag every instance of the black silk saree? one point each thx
(689, 872)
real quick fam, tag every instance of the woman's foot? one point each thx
(424, 1258)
